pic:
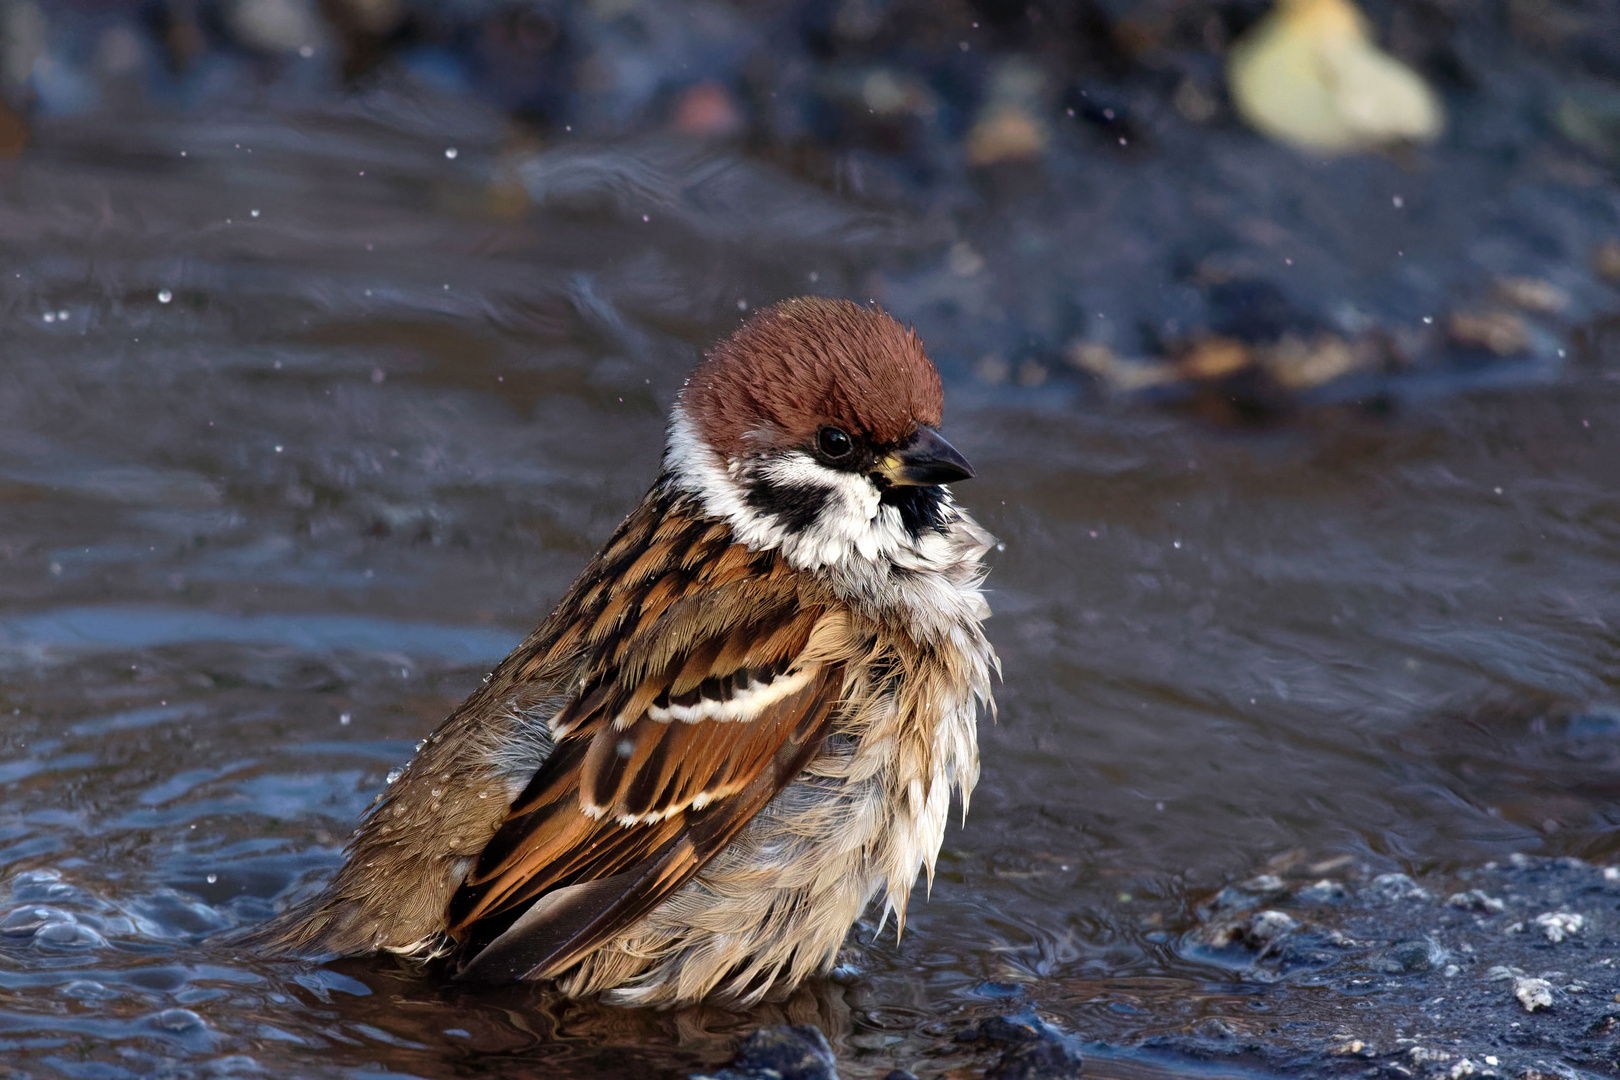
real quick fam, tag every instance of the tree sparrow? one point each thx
(740, 725)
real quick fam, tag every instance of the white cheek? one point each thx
(853, 528)
(846, 519)
(855, 542)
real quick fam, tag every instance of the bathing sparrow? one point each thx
(742, 723)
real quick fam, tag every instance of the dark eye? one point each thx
(834, 443)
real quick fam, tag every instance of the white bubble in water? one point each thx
(69, 934)
(87, 989)
(178, 1021)
(27, 921)
(344, 718)
(50, 316)
(451, 152)
(395, 773)
(213, 878)
(164, 296)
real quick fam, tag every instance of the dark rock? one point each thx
(1014, 1030)
(799, 1052)
(1049, 1059)
(1407, 957)
(1032, 1049)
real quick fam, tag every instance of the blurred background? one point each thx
(1286, 340)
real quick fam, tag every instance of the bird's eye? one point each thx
(834, 443)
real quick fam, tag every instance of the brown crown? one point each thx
(807, 363)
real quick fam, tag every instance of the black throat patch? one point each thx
(795, 507)
(922, 509)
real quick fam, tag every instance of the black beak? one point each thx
(927, 459)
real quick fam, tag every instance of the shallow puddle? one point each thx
(301, 431)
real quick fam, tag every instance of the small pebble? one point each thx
(1475, 900)
(1533, 994)
(1558, 925)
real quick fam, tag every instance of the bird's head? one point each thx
(815, 429)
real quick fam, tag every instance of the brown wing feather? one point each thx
(629, 806)
(736, 768)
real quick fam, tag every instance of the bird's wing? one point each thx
(712, 688)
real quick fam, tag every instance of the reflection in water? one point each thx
(258, 537)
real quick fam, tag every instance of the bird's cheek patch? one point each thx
(795, 506)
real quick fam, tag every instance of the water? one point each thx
(316, 421)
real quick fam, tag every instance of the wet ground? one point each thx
(310, 407)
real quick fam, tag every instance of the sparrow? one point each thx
(741, 724)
